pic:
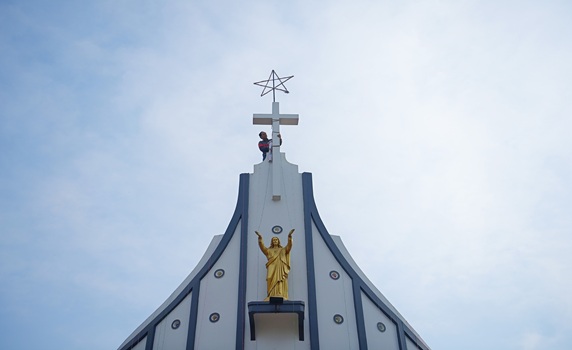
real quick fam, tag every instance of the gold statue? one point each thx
(277, 267)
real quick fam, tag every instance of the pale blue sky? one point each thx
(438, 133)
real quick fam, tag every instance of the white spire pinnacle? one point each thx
(275, 119)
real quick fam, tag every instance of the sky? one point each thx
(437, 133)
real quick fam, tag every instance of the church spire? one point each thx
(275, 119)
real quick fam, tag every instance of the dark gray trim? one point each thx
(401, 336)
(241, 308)
(395, 320)
(308, 198)
(150, 339)
(412, 337)
(358, 285)
(360, 321)
(240, 212)
(191, 331)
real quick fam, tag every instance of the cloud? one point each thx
(126, 126)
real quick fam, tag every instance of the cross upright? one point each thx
(275, 119)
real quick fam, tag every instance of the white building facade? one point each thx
(331, 305)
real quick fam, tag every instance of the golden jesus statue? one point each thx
(277, 267)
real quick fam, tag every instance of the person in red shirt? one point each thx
(265, 145)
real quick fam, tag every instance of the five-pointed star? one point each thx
(274, 78)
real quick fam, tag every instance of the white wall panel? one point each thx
(141, 344)
(333, 297)
(263, 214)
(387, 340)
(166, 337)
(411, 345)
(219, 295)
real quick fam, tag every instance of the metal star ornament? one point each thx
(274, 78)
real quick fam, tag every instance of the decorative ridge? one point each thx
(358, 284)
(240, 213)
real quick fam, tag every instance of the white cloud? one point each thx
(452, 117)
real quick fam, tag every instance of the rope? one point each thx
(264, 201)
(288, 210)
(293, 320)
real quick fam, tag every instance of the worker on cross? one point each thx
(265, 145)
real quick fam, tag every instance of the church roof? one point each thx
(307, 293)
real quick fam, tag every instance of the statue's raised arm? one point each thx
(289, 245)
(261, 244)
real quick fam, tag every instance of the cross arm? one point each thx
(266, 119)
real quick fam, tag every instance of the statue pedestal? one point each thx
(275, 307)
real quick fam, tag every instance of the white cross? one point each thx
(275, 119)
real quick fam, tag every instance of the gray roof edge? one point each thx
(340, 244)
(210, 250)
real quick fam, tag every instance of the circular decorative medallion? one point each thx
(338, 319)
(214, 317)
(334, 274)
(381, 327)
(175, 324)
(219, 273)
(277, 229)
